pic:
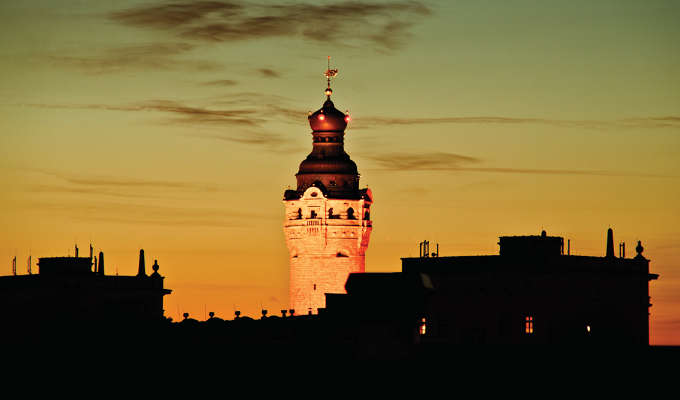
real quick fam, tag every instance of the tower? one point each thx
(327, 222)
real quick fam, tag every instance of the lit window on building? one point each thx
(587, 328)
(529, 324)
(423, 326)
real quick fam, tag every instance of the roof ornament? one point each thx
(330, 73)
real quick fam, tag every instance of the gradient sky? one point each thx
(176, 127)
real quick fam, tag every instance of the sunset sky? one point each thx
(176, 127)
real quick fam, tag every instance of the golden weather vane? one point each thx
(330, 73)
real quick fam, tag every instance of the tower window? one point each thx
(299, 213)
(423, 326)
(529, 325)
(350, 213)
(312, 214)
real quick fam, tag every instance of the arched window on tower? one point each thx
(330, 213)
(299, 213)
(312, 214)
(350, 213)
(367, 215)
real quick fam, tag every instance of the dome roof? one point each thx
(336, 165)
(328, 118)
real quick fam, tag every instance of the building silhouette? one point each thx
(327, 218)
(531, 293)
(72, 293)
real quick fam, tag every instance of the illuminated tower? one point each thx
(328, 221)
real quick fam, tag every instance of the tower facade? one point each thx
(328, 217)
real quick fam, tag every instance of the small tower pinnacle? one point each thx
(610, 243)
(100, 269)
(141, 271)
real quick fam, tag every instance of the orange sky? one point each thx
(176, 127)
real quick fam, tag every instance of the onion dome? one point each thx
(328, 118)
(328, 165)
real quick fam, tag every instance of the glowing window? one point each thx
(423, 326)
(587, 328)
(529, 324)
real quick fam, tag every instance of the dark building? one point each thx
(530, 293)
(73, 292)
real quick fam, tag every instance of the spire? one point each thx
(610, 243)
(100, 268)
(330, 73)
(142, 268)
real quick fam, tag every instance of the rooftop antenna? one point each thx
(14, 265)
(76, 250)
(29, 263)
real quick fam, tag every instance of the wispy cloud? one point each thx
(153, 56)
(384, 26)
(254, 111)
(182, 112)
(129, 213)
(220, 82)
(131, 200)
(422, 162)
(643, 122)
(269, 73)
(268, 141)
(439, 161)
(85, 182)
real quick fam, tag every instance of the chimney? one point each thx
(283, 313)
(76, 251)
(100, 269)
(142, 268)
(610, 243)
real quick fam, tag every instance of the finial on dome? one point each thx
(330, 73)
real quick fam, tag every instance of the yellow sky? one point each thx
(176, 128)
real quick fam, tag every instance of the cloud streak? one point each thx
(154, 56)
(648, 122)
(269, 73)
(145, 214)
(220, 82)
(383, 26)
(93, 183)
(439, 161)
(182, 112)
